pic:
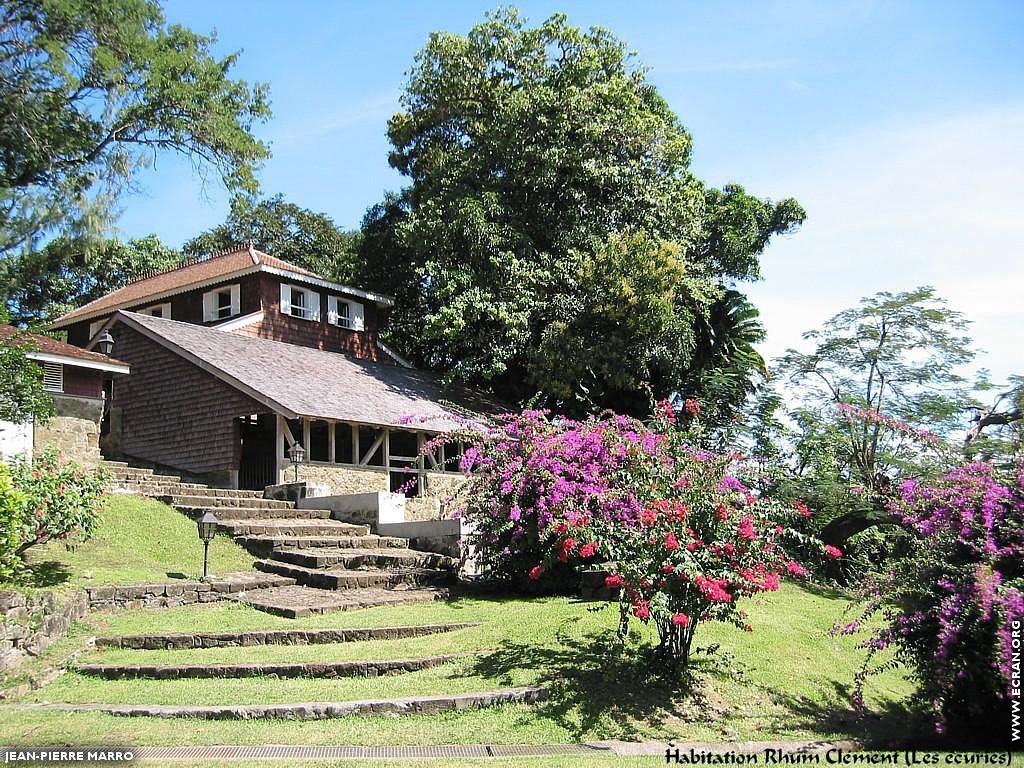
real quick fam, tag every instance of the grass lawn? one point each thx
(138, 540)
(787, 680)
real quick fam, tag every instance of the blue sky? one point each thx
(898, 125)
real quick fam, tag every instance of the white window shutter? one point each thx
(53, 377)
(209, 306)
(236, 299)
(286, 299)
(332, 310)
(355, 316)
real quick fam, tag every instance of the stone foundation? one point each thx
(74, 430)
(443, 485)
(336, 479)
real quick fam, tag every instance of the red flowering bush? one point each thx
(47, 498)
(686, 539)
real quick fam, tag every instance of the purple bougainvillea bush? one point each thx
(683, 537)
(948, 609)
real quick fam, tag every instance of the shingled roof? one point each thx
(48, 349)
(196, 273)
(301, 381)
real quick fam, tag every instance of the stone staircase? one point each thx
(336, 565)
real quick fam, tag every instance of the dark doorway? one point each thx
(258, 465)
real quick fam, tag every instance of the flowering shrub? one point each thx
(947, 609)
(12, 505)
(687, 539)
(47, 498)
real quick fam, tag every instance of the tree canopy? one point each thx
(92, 89)
(896, 359)
(285, 230)
(550, 213)
(22, 395)
(42, 285)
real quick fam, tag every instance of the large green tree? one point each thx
(285, 230)
(92, 89)
(552, 238)
(41, 285)
(896, 356)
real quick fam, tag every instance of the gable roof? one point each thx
(302, 381)
(50, 350)
(197, 273)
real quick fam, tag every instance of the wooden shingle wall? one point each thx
(173, 412)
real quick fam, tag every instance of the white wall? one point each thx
(15, 439)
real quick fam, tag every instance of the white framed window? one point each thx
(221, 303)
(345, 313)
(300, 302)
(53, 377)
(158, 310)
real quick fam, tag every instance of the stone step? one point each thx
(158, 489)
(343, 578)
(296, 602)
(149, 477)
(257, 513)
(267, 545)
(111, 464)
(354, 559)
(253, 637)
(212, 498)
(185, 489)
(291, 527)
(321, 669)
(311, 710)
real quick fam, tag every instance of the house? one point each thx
(76, 379)
(237, 357)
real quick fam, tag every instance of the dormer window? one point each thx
(159, 310)
(221, 303)
(300, 302)
(345, 313)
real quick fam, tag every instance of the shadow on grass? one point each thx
(48, 573)
(594, 687)
(886, 725)
(598, 690)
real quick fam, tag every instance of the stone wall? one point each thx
(336, 479)
(442, 485)
(31, 622)
(74, 430)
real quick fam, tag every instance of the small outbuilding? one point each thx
(79, 381)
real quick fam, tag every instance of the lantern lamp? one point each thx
(207, 525)
(105, 343)
(297, 454)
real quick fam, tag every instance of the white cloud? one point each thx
(912, 202)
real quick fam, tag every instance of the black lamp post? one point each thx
(298, 455)
(207, 525)
(105, 343)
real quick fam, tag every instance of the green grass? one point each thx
(786, 680)
(138, 540)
